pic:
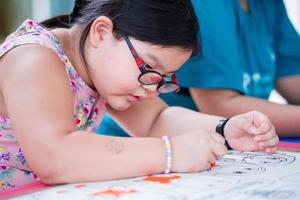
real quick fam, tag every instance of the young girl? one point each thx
(56, 85)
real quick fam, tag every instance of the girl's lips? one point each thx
(133, 98)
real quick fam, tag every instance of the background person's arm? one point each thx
(289, 88)
(286, 118)
(287, 54)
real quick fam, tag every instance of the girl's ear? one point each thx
(101, 28)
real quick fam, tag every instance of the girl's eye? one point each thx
(168, 75)
(165, 77)
(148, 66)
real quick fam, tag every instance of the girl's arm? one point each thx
(250, 131)
(39, 102)
(153, 117)
(229, 103)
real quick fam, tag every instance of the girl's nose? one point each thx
(150, 88)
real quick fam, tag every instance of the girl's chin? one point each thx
(120, 107)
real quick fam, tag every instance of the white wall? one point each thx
(41, 10)
(293, 8)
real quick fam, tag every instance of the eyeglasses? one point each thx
(166, 84)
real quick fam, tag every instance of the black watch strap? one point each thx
(220, 129)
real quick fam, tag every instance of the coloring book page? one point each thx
(237, 176)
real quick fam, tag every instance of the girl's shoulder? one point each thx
(32, 50)
(27, 62)
(30, 32)
(30, 28)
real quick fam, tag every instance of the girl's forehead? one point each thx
(164, 59)
(168, 59)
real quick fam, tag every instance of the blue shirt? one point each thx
(241, 51)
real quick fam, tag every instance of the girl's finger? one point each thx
(269, 143)
(218, 138)
(246, 124)
(271, 149)
(265, 136)
(219, 150)
(211, 157)
(205, 167)
(265, 126)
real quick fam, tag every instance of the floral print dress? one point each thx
(89, 107)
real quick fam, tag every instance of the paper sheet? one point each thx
(238, 175)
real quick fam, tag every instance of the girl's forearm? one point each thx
(178, 120)
(86, 157)
(285, 117)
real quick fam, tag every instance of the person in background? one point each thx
(58, 7)
(249, 48)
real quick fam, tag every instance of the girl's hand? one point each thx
(252, 131)
(194, 151)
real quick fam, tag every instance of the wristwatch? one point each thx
(220, 129)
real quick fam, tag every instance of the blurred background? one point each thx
(14, 12)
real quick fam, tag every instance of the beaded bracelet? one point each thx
(169, 154)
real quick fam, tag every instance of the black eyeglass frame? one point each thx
(145, 69)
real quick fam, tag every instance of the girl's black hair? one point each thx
(159, 22)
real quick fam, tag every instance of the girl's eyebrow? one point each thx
(156, 60)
